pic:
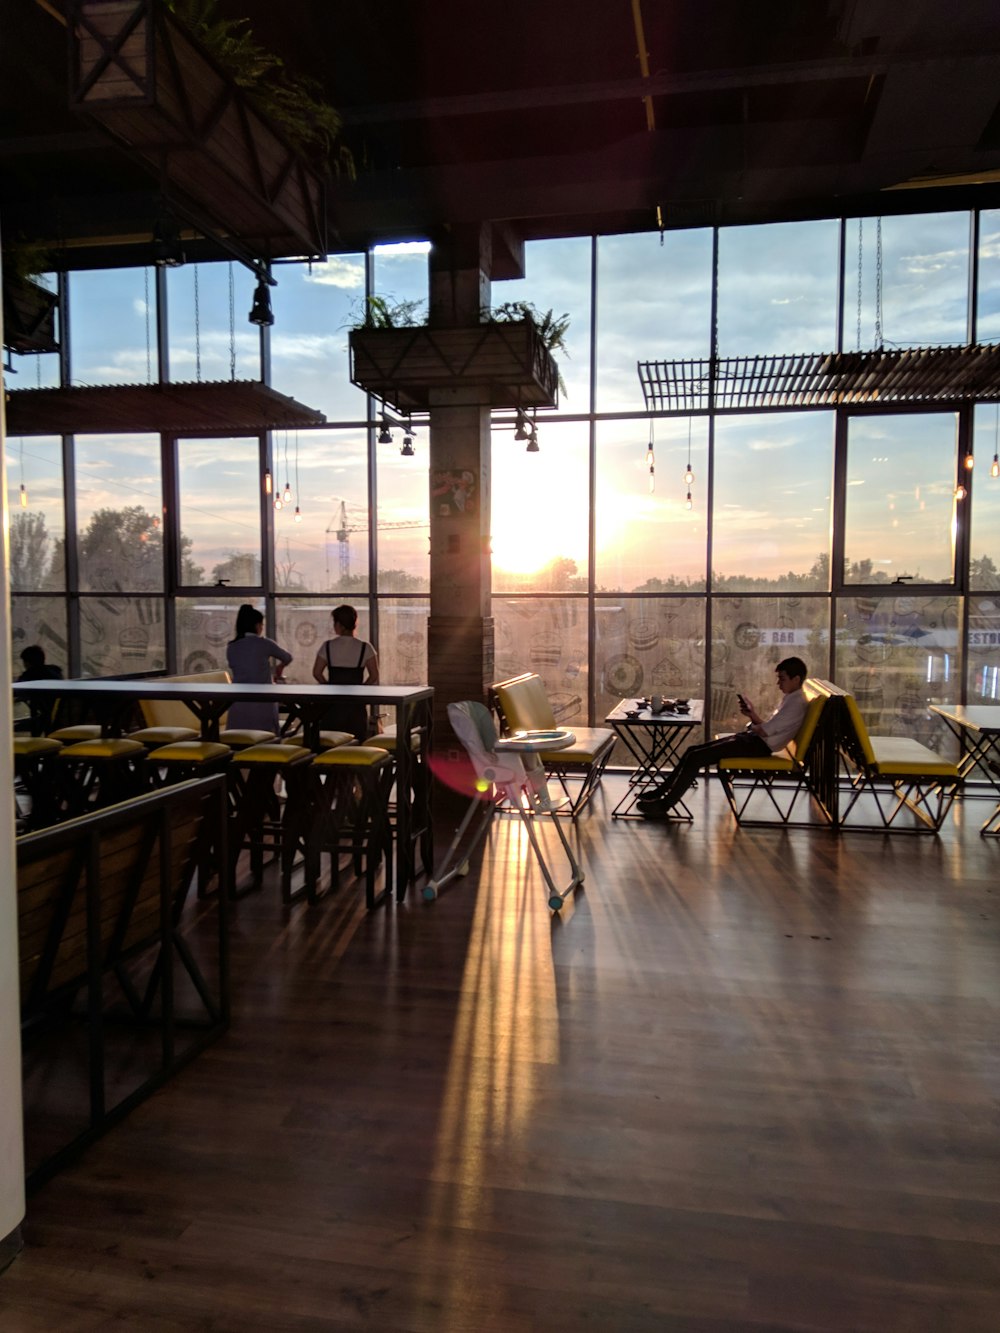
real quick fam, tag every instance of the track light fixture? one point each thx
(384, 434)
(261, 313)
(407, 449)
(524, 428)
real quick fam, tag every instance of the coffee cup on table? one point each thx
(656, 703)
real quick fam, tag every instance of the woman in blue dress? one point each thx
(249, 656)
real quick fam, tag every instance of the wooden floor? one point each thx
(746, 1080)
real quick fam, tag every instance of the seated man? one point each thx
(760, 739)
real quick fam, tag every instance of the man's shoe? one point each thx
(658, 809)
(652, 796)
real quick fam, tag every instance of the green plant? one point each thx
(551, 328)
(294, 102)
(379, 312)
(24, 260)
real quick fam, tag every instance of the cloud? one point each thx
(338, 271)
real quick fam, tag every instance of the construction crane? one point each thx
(341, 529)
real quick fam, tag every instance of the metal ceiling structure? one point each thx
(554, 119)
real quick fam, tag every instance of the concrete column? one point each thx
(11, 1129)
(460, 628)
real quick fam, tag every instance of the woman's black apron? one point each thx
(347, 714)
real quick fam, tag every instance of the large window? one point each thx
(220, 511)
(210, 337)
(315, 306)
(37, 522)
(900, 510)
(771, 516)
(119, 513)
(112, 327)
(778, 288)
(654, 301)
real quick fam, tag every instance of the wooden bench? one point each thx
(522, 704)
(106, 965)
(781, 777)
(897, 773)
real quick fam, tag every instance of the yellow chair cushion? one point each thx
(590, 741)
(352, 756)
(901, 756)
(387, 741)
(525, 704)
(782, 762)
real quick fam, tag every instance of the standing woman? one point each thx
(249, 656)
(346, 660)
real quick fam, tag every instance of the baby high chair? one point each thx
(502, 776)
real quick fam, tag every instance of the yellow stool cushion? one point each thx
(277, 755)
(164, 735)
(240, 736)
(328, 740)
(102, 749)
(84, 731)
(351, 756)
(189, 752)
(33, 747)
(387, 741)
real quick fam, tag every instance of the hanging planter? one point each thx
(497, 365)
(29, 316)
(141, 75)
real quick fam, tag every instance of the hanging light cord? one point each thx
(232, 324)
(878, 284)
(197, 326)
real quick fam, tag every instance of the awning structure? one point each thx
(969, 373)
(224, 405)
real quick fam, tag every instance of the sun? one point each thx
(538, 514)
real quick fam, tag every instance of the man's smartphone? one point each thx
(743, 703)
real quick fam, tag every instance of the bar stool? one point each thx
(328, 740)
(97, 773)
(33, 769)
(185, 759)
(242, 738)
(257, 822)
(348, 793)
(420, 831)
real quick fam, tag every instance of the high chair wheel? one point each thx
(430, 892)
(555, 902)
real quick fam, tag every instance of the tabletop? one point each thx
(153, 688)
(646, 717)
(976, 717)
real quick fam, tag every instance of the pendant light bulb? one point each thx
(688, 503)
(286, 494)
(652, 479)
(268, 481)
(298, 514)
(995, 469)
(277, 502)
(688, 475)
(960, 492)
(649, 457)
(969, 462)
(24, 497)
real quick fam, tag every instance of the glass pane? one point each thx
(984, 649)
(772, 501)
(649, 541)
(112, 326)
(210, 338)
(654, 302)
(557, 280)
(37, 528)
(400, 274)
(988, 308)
(120, 635)
(984, 568)
(38, 370)
(403, 525)
(547, 635)
(539, 512)
(402, 638)
(315, 306)
(648, 645)
(896, 655)
(750, 636)
(778, 288)
(326, 549)
(40, 620)
(204, 627)
(900, 509)
(305, 625)
(925, 281)
(119, 512)
(220, 497)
